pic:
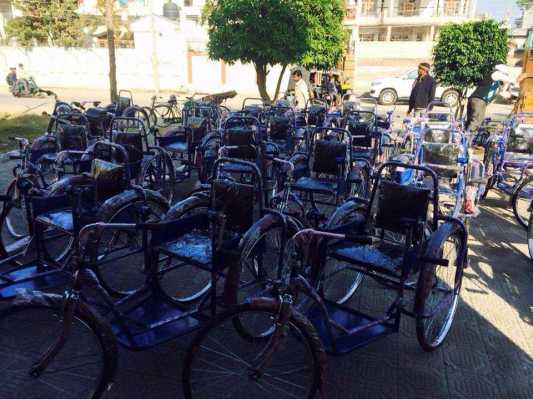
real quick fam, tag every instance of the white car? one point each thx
(389, 90)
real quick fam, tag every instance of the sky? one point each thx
(498, 8)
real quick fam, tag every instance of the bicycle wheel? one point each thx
(222, 362)
(164, 115)
(79, 371)
(339, 279)
(186, 283)
(120, 267)
(521, 201)
(14, 228)
(530, 235)
(437, 291)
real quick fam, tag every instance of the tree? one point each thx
(109, 16)
(524, 4)
(275, 32)
(53, 22)
(465, 53)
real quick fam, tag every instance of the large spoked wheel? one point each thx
(339, 280)
(437, 293)
(79, 370)
(14, 229)
(120, 266)
(223, 362)
(530, 235)
(164, 115)
(522, 200)
(183, 282)
(158, 174)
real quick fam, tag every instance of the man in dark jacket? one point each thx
(423, 91)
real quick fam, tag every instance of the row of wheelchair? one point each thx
(292, 213)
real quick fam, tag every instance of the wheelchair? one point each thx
(294, 321)
(56, 215)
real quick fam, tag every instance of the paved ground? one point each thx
(489, 353)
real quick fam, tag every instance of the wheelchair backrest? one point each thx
(362, 126)
(42, 145)
(243, 139)
(280, 123)
(400, 206)
(437, 136)
(109, 178)
(328, 156)
(71, 137)
(236, 201)
(316, 114)
(132, 143)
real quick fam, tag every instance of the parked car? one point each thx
(388, 91)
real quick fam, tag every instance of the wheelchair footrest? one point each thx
(367, 329)
(154, 321)
(31, 277)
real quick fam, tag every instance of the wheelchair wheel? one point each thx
(138, 113)
(81, 369)
(14, 228)
(437, 292)
(158, 174)
(187, 283)
(339, 280)
(521, 201)
(530, 235)
(222, 362)
(120, 266)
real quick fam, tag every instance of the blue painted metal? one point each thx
(368, 329)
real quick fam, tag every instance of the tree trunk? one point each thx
(279, 82)
(109, 16)
(261, 72)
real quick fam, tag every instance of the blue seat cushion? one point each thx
(362, 153)
(311, 184)
(194, 246)
(61, 219)
(385, 256)
(178, 146)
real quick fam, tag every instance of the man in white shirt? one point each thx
(301, 91)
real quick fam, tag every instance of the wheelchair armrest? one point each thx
(362, 239)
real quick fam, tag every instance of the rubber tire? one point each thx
(95, 322)
(514, 202)
(425, 283)
(385, 92)
(307, 330)
(530, 236)
(448, 92)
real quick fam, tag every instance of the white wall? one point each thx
(394, 50)
(88, 68)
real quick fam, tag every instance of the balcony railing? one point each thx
(408, 9)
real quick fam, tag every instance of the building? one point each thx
(392, 36)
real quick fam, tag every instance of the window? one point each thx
(187, 3)
(400, 36)
(408, 8)
(366, 37)
(368, 7)
(452, 7)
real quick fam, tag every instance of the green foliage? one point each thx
(271, 32)
(52, 22)
(28, 126)
(326, 36)
(524, 4)
(465, 53)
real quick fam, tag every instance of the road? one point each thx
(487, 355)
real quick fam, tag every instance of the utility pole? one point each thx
(154, 57)
(109, 17)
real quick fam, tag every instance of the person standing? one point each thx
(301, 91)
(486, 91)
(23, 79)
(423, 91)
